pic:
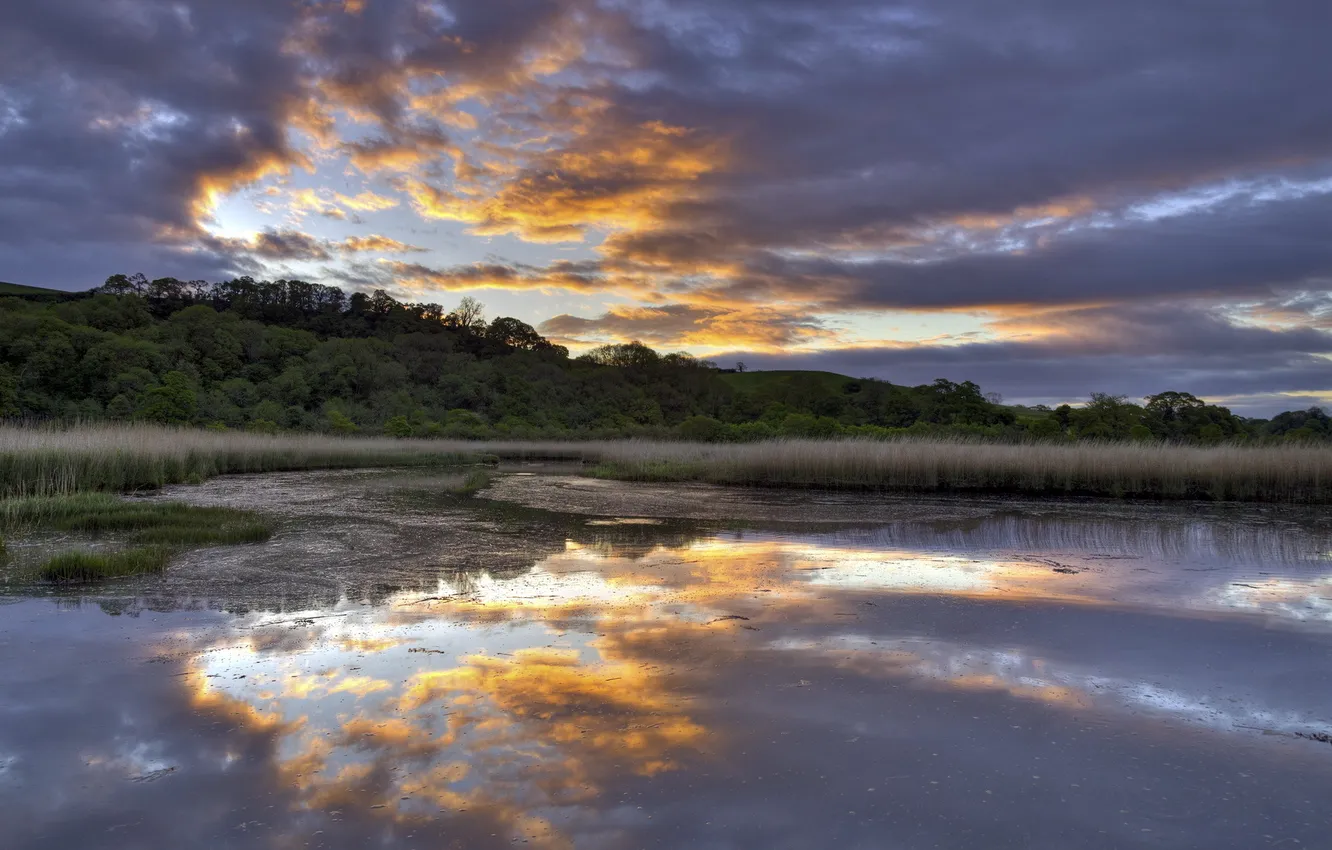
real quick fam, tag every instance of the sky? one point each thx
(1047, 197)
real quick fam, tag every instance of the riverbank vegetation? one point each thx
(289, 356)
(1291, 473)
(134, 536)
(120, 458)
(80, 566)
(131, 457)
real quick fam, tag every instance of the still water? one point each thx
(567, 663)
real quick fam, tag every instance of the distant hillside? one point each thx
(33, 292)
(751, 382)
(293, 355)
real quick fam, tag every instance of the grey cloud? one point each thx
(1242, 246)
(121, 112)
(1132, 352)
(289, 245)
(849, 113)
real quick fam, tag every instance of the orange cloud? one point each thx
(619, 177)
(375, 242)
(366, 201)
(569, 276)
(753, 328)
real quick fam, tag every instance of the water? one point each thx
(594, 665)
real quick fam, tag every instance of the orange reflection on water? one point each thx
(504, 737)
(524, 696)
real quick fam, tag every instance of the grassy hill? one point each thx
(831, 382)
(766, 380)
(21, 291)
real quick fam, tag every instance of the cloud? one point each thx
(615, 177)
(366, 202)
(1128, 351)
(125, 123)
(744, 171)
(288, 245)
(567, 275)
(681, 324)
(295, 245)
(375, 242)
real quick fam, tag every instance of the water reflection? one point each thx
(632, 681)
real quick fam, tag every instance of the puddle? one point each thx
(400, 667)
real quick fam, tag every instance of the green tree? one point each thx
(174, 401)
(9, 392)
(398, 426)
(701, 429)
(340, 423)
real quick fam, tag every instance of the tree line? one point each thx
(292, 355)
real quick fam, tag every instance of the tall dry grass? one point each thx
(1152, 470)
(50, 461)
(36, 461)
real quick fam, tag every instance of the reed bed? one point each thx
(1135, 470)
(120, 458)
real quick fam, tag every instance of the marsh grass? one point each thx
(145, 522)
(153, 531)
(1123, 470)
(474, 482)
(84, 566)
(121, 458)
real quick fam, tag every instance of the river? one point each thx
(561, 662)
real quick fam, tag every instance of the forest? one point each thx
(287, 355)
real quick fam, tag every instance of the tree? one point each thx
(740, 366)
(173, 402)
(469, 313)
(398, 426)
(515, 334)
(9, 401)
(701, 429)
(1169, 405)
(629, 355)
(1107, 417)
(339, 423)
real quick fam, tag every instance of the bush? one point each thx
(398, 426)
(701, 429)
(339, 423)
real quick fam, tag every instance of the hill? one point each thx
(22, 291)
(293, 355)
(753, 382)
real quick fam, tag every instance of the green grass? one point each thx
(474, 482)
(20, 290)
(154, 531)
(83, 566)
(766, 380)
